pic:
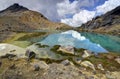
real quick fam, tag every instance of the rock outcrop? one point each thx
(39, 65)
(99, 66)
(66, 63)
(86, 54)
(88, 64)
(117, 60)
(11, 50)
(67, 50)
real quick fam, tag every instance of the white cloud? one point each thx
(107, 6)
(66, 7)
(82, 17)
(79, 16)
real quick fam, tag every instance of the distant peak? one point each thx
(15, 4)
(15, 7)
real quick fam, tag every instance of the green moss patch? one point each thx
(108, 64)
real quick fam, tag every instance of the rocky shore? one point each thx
(44, 62)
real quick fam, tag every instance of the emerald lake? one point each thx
(109, 42)
(90, 41)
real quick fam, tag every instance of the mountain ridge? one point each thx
(30, 18)
(14, 8)
(17, 18)
(107, 23)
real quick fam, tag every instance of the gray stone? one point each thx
(99, 66)
(66, 62)
(36, 67)
(88, 64)
(39, 65)
(86, 54)
(67, 49)
(117, 60)
(77, 60)
(109, 75)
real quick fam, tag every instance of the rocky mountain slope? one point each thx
(107, 23)
(17, 18)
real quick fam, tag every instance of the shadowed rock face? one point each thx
(115, 11)
(109, 22)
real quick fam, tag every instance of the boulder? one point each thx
(86, 54)
(117, 60)
(39, 65)
(99, 66)
(66, 63)
(88, 64)
(77, 60)
(67, 49)
(36, 67)
(9, 49)
(110, 75)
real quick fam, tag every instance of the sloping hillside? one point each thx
(107, 23)
(17, 18)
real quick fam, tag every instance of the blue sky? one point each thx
(71, 0)
(97, 3)
(71, 12)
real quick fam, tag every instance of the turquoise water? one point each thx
(72, 38)
(90, 41)
(110, 43)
